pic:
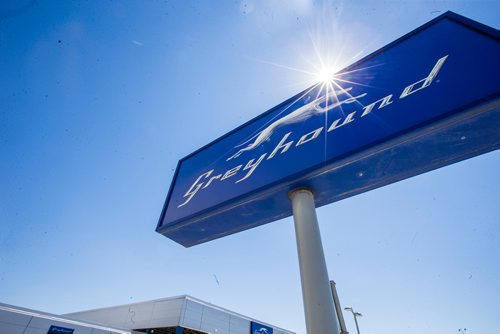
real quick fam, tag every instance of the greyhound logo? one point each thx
(261, 331)
(318, 106)
(307, 111)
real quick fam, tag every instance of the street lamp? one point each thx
(355, 314)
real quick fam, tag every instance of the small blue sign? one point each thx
(60, 330)
(256, 328)
(428, 99)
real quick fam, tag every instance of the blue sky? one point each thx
(100, 99)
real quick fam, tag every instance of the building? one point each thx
(182, 314)
(17, 320)
(175, 315)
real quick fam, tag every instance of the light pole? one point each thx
(355, 315)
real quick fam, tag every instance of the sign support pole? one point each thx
(318, 301)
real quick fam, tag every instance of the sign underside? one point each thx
(427, 100)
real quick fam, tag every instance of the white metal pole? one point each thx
(318, 300)
(338, 309)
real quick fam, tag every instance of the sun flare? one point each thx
(326, 74)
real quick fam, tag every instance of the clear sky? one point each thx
(100, 99)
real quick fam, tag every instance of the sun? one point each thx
(325, 74)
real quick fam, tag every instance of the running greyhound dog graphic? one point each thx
(307, 111)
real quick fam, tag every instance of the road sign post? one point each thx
(317, 296)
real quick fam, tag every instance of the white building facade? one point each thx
(17, 320)
(175, 315)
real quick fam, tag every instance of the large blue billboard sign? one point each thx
(429, 99)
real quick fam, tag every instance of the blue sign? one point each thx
(256, 328)
(428, 99)
(60, 330)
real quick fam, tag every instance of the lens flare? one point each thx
(321, 63)
(326, 74)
